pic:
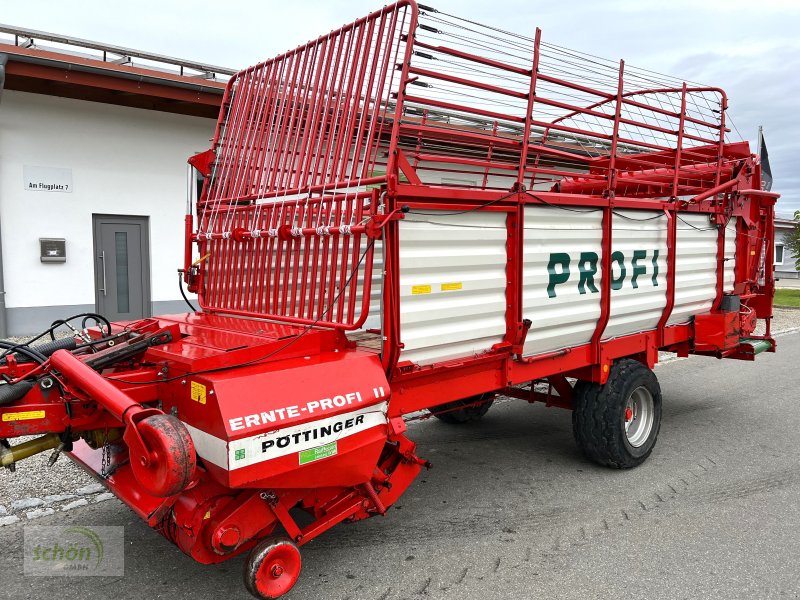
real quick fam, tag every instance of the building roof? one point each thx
(45, 63)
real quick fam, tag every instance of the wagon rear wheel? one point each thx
(617, 424)
(464, 411)
(272, 568)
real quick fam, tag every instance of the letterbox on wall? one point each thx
(52, 250)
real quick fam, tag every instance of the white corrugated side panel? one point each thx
(730, 256)
(569, 318)
(635, 309)
(695, 268)
(452, 284)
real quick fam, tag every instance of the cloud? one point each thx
(763, 87)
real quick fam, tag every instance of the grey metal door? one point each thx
(122, 266)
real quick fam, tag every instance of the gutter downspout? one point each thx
(3, 323)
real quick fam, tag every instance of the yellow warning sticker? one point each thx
(452, 286)
(198, 392)
(24, 416)
(420, 289)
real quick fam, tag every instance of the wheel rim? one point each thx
(173, 460)
(278, 571)
(639, 416)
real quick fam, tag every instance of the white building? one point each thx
(93, 147)
(785, 261)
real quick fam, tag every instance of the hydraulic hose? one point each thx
(45, 349)
(31, 353)
(11, 393)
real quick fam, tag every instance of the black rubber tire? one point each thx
(451, 414)
(598, 421)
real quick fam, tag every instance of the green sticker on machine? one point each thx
(240, 454)
(312, 454)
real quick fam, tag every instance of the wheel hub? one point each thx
(639, 416)
(272, 568)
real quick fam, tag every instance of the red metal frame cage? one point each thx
(409, 96)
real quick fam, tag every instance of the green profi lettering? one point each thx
(619, 258)
(557, 276)
(559, 265)
(655, 268)
(637, 268)
(588, 269)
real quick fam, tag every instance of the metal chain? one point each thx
(106, 455)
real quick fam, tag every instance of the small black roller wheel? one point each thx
(272, 568)
(616, 424)
(452, 413)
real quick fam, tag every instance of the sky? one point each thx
(750, 49)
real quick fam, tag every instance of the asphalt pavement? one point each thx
(512, 510)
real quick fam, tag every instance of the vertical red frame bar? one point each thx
(390, 289)
(608, 238)
(672, 234)
(391, 167)
(719, 206)
(672, 227)
(526, 132)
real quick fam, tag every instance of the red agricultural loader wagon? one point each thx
(411, 212)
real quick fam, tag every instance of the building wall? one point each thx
(124, 161)
(787, 270)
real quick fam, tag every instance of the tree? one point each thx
(792, 240)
